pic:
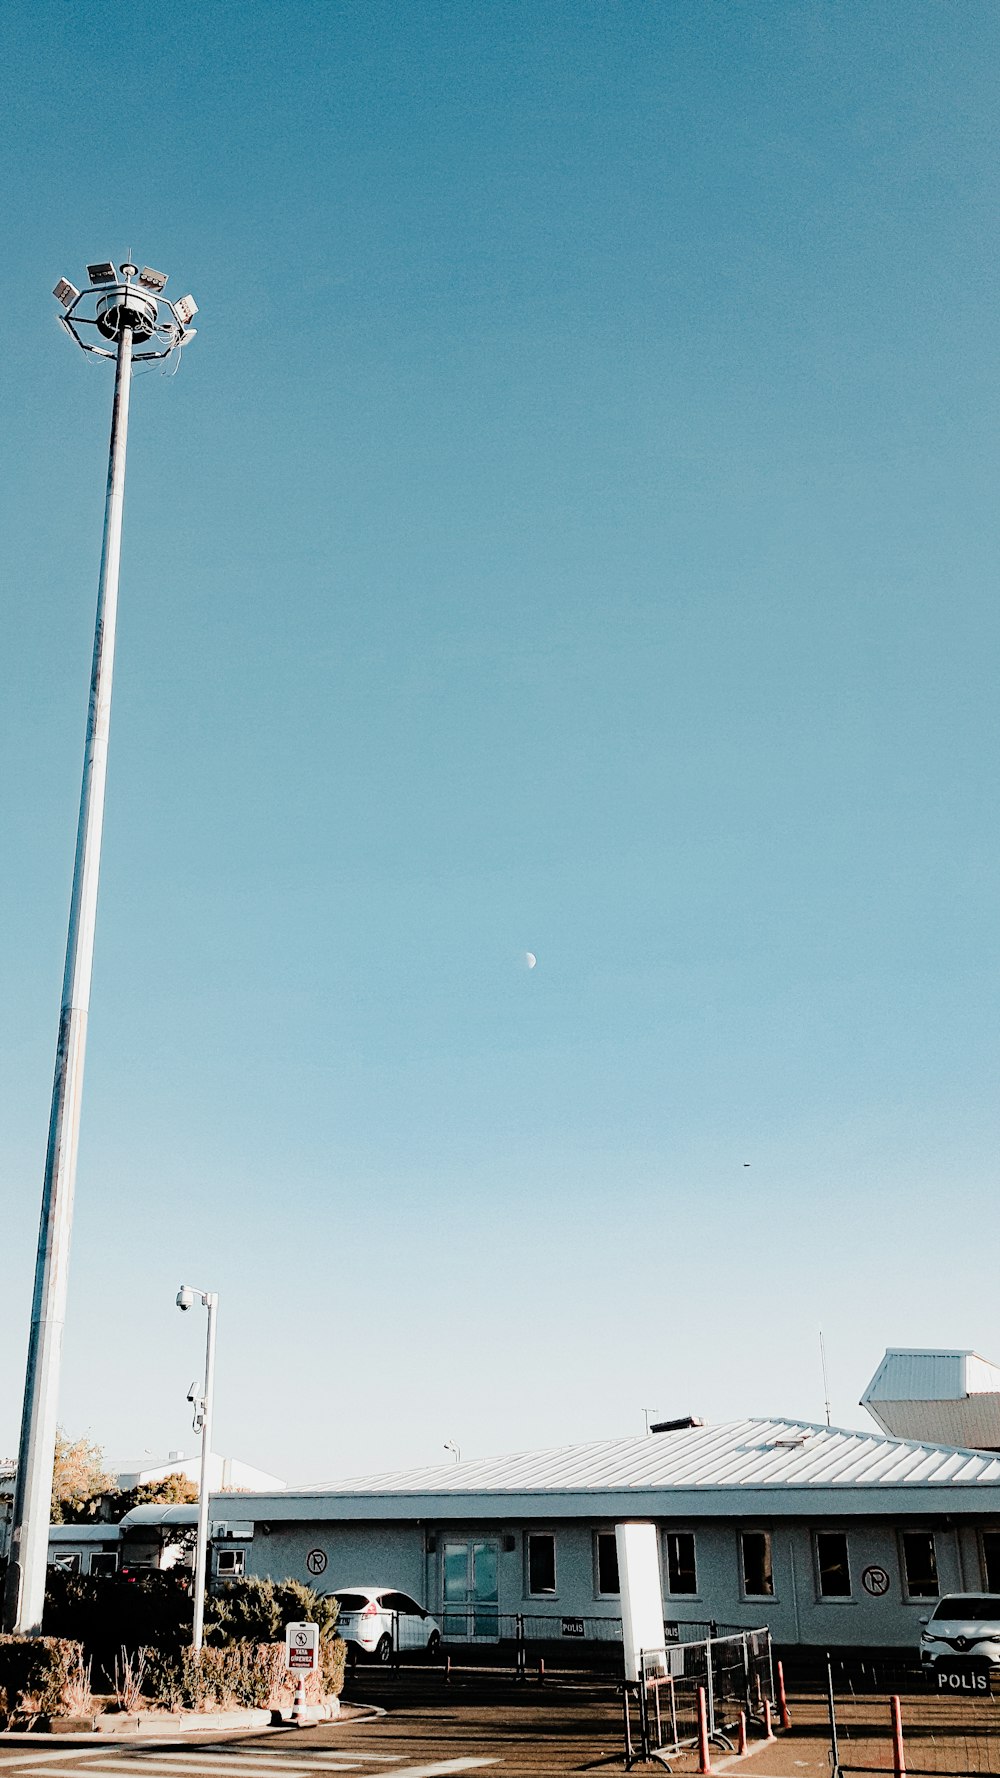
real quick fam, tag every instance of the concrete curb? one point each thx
(180, 1722)
(119, 1726)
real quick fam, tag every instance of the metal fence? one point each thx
(484, 1636)
(709, 1690)
(883, 1715)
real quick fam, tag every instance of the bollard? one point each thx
(768, 1728)
(704, 1759)
(541, 1671)
(783, 1712)
(741, 1733)
(447, 1669)
(898, 1760)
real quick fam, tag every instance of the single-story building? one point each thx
(84, 1549)
(158, 1535)
(829, 1536)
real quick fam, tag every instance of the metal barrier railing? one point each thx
(701, 1692)
(514, 1639)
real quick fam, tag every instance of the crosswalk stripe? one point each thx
(440, 1767)
(32, 1759)
(262, 1764)
(255, 1759)
(110, 1767)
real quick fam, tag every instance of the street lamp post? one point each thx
(124, 307)
(203, 1424)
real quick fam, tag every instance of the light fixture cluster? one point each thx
(119, 297)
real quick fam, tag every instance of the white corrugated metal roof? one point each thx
(89, 1533)
(915, 1374)
(740, 1454)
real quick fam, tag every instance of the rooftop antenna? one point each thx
(125, 307)
(826, 1381)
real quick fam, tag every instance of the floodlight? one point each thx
(186, 334)
(152, 280)
(65, 292)
(104, 273)
(185, 310)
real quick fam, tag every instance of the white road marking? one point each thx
(157, 1767)
(32, 1758)
(110, 1767)
(440, 1767)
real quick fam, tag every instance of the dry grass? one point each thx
(129, 1677)
(78, 1696)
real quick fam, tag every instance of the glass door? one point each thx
(470, 1587)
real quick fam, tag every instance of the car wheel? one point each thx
(434, 1646)
(383, 1650)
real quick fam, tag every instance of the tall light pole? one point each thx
(125, 307)
(203, 1424)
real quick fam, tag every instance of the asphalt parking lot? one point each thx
(489, 1724)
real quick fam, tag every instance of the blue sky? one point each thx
(574, 529)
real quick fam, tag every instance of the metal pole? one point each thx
(210, 1299)
(832, 1708)
(24, 1596)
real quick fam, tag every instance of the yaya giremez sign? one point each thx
(301, 1647)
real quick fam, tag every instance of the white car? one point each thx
(962, 1625)
(375, 1621)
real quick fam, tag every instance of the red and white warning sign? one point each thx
(301, 1647)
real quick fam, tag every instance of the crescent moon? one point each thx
(530, 959)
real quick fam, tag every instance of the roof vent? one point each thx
(788, 1441)
(677, 1425)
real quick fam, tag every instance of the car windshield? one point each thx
(351, 1601)
(970, 1605)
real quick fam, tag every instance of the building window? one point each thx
(230, 1563)
(104, 1562)
(832, 1565)
(682, 1575)
(541, 1562)
(920, 1564)
(69, 1564)
(607, 1563)
(758, 1578)
(991, 1561)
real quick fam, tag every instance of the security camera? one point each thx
(192, 1393)
(185, 1297)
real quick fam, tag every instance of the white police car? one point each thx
(961, 1639)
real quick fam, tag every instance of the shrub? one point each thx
(40, 1674)
(244, 1674)
(107, 1614)
(255, 1610)
(332, 1661)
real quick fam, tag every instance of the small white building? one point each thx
(225, 1474)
